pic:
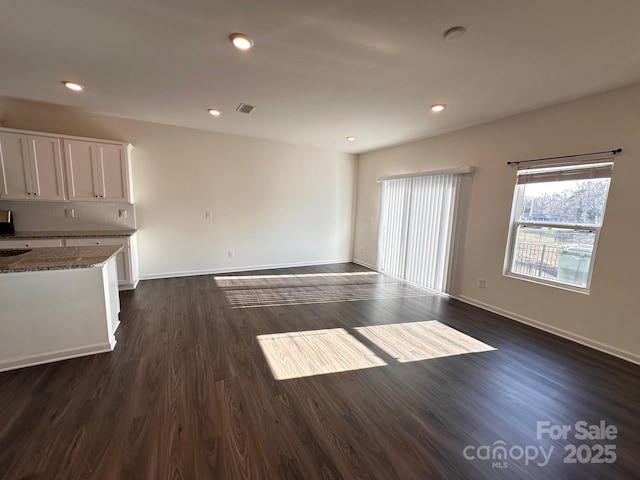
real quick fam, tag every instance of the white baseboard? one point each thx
(217, 271)
(364, 264)
(128, 286)
(30, 360)
(616, 352)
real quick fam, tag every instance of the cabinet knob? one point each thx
(27, 244)
(97, 243)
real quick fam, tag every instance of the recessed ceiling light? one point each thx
(438, 107)
(351, 139)
(241, 41)
(454, 33)
(76, 87)
(215, 112)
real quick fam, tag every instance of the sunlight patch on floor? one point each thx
(415, 341)
(252, 281)
(275, 297)
(315, 352)
(251, 291)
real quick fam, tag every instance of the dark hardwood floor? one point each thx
(188, 392)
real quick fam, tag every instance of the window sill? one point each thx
(549, 283)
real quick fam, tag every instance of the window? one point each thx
(556, 219)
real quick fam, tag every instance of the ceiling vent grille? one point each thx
(245, 108)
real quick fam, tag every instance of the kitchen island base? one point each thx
(52, 315)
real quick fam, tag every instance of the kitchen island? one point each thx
(57, 303)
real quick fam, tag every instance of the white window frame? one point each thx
(515, 223)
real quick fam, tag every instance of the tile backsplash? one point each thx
(44, 216)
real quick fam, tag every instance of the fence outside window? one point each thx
(536, 259)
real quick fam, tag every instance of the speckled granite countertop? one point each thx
(68, 234)
(58, 258)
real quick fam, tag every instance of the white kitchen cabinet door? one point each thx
(124, 271)
(97, 171)
(81, 164)
(31, 167)
(15, 167)
(123, 258)
(114, 175)
(46, 168)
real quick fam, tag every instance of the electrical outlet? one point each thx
(69, 213)
(481, 282)
(369, 218)
(122, 213)
(208, 214)
(231, 254)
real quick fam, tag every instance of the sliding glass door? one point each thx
(416, 228)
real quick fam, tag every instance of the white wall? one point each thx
(608, 318)
(272, 203)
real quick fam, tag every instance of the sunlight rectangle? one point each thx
(315, 352)
(322, 293)
(293, 279)
(415, 341)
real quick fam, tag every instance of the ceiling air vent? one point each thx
(244, 108)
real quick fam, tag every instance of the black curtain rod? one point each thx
(614, 152)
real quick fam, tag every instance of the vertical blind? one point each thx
(416, 228)
(392, 242)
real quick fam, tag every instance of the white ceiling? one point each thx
(320, 70)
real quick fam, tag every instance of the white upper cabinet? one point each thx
(30, 167)
(16, 171)
(33, 167)
(46, 168)
(97, 171)
(81, 166)
(114, 171)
